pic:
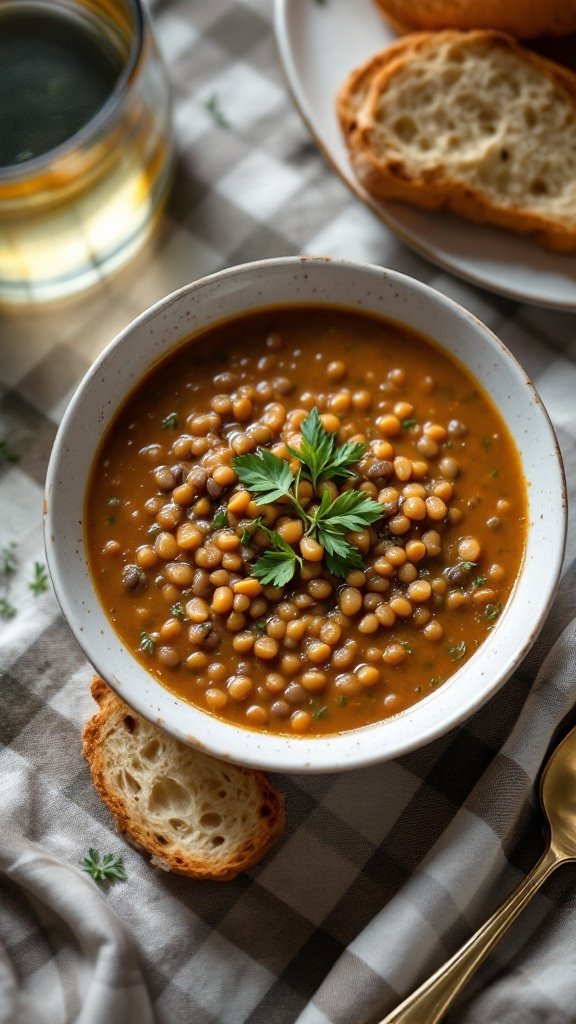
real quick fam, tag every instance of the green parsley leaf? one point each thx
(220, 519)
(407, 647)
(39, 583)
(276, 567)
(342, 700)
(340, 556)
(7, 610)
(351, 510)
(458, 651)
(108, 868)
(258, 626)
(466, 566)
(406, 424)
(492, 611)
(267, 477)
(478, 581)
(170, 422)
(146, 643)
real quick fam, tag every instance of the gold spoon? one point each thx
(429, 1003)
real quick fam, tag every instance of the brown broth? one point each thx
(377, 354)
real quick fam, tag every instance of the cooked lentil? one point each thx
(173, 566)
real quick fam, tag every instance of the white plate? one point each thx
(319, 43)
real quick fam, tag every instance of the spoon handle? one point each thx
(435, 996)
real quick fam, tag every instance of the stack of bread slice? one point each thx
(470, 121)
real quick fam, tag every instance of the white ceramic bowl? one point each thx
(300, 280)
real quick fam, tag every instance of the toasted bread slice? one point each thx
(524, 19)
(196, 815)
(472, 122)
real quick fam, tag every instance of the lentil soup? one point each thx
(261, 605)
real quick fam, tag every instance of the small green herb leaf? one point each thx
(458, 651)
(220, 519)
(406, 424)
(178, 612)
(7, 610)
(39, 583)
(170, 422)
(8, 559)
(320, 712)
(351, 510)
(407, 647)
(492, 611)
(146, 643)
(108, 868)
(212, 105)
(479, 581)
(342, 700)
(258, 626)
(267, 477)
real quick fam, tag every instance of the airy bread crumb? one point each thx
(195, 815)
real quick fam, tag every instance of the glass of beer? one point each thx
(86, 147)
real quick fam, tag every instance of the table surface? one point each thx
(254, 188)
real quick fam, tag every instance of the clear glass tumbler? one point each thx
(73, 214)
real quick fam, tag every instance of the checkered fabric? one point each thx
(383, 872)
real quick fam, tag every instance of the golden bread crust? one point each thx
(524, 19)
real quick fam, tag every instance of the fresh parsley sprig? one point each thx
(321, 458)
(270, 479)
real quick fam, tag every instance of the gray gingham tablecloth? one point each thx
(383, 872)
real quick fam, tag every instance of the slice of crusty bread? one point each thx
(196, 815)
(524, 19)
(469, 121)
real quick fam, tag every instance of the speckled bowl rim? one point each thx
(306, 280)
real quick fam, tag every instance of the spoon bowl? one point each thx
(558, 797)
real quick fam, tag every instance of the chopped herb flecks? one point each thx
(7, 610)
(178, 611)
(458, 651)
(8, 559)
(212, 105)
(39, 583)
(170, 422)
(492, 611)
(146, 643)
